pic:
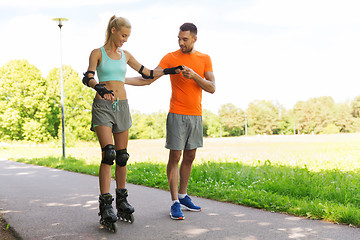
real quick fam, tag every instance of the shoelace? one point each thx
(115, 105)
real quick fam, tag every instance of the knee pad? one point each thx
(109, 154)
(121, 157)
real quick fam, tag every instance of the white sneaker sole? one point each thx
(190, 209)
(180, 218)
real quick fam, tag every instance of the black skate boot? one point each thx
(107, 215)
(124, 209)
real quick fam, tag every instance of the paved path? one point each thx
(44, 203)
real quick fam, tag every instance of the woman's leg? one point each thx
(121, 142)
(104, 135)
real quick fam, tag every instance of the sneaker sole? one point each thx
(180, 218)
(190, 209)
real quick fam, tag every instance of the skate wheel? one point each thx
(113, 228)
(132, 218)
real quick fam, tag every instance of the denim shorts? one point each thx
(183, 132)
(116, 116)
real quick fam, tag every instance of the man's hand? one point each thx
(188, 73)
(207, 84)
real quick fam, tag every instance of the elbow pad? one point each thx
(145, 76)
(86, 78)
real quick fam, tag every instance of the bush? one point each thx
(330, 129)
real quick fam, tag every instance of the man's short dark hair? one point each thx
(189, 27)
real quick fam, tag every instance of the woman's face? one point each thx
(120, 36)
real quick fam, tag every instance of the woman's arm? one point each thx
(134, 64)
(138, 81)
(94, 59)
(95, 55)
(150, 74)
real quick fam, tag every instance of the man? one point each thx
(184, 129)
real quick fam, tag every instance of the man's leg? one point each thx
(173, 172)
(185, 169)
(173, 179)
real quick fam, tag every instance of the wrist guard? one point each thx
(101, 90)
(172, 70)
(86, 79)
(145, 76)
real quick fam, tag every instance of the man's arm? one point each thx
(207, 84)
(140, 81)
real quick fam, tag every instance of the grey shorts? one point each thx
(116, 115)
(183, 132)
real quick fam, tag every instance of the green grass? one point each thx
(68, 164)
(316, 177)
(331, 195)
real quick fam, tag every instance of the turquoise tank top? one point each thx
(111, 70)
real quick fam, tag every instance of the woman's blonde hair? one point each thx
(117, 23)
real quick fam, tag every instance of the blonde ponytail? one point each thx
(117, 23)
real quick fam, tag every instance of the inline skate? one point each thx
(124, 209)
(107, 215)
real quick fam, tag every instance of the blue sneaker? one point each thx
(189, 205)
(175, 212)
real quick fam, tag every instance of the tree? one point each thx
(158, 124)
(344, 120)
(211, 124)
(287, 122)
(148, 126)
(77, 104)
(355, 106)
(23, 102)
(135, 129)
(315, 114)
(232, 119)
(30, 109)
(264, 117)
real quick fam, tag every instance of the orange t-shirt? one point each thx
(186, 94)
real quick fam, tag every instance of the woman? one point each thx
(111, 118)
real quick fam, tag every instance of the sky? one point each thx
(282, 51)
